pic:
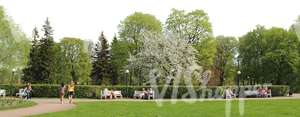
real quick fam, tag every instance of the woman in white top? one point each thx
(228, 93)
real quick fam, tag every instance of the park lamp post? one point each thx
(11, 80)
(248, 79)
(238, 80)
(238, 77)
(13, 72)
(127, 75)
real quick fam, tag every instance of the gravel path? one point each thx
(43, 106)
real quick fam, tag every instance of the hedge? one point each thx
(297, 89)
(92, 91)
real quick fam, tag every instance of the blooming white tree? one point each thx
(165, 59)
(297, 27)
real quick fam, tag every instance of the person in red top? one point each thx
(62, 92)
(264, 92)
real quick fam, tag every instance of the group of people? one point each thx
(70, 89)
(263, 92)
(109, 93)
(147, 93)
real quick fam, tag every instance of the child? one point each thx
(62, 93)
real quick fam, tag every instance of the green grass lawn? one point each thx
(14, 103)
(253, 108)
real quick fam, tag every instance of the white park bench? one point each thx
(251, 93)
(21, 93)
(138, 94)
(106, 93)
(2, 92)
(118, 94)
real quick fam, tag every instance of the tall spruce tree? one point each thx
(101, 72)
(31, 72)
(46, 53)
(115, 69)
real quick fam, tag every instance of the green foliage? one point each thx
(41, 60)
(14, 48)
(71, 62)
(34, 60)
(206, 52)
(224, 61)
(270, 55)
(51, 62)
(101, 72)
(93, 91)
(265, 55)
(192, 26)
(46, 54)
(119, 56)
(134, 26)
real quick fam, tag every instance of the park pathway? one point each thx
(43, 106)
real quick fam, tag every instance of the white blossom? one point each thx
(169, 57)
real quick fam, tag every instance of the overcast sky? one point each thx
(87, 18)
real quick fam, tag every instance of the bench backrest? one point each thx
(138, 92)
(22, 91)
(2, 91)
(251, 92)
(117, 92)
(105, 92)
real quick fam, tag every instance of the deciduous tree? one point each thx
(192, 26)
(14, 48)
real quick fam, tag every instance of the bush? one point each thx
(297, 89)
(92, 91)
(279, 90)
(51, 90)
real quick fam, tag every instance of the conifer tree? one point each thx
(46, 53)
(31, 72)
(101, 72)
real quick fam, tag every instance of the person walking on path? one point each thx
(71, 89)
(62, 93)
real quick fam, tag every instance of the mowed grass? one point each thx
(6, 104)
(253, 108)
